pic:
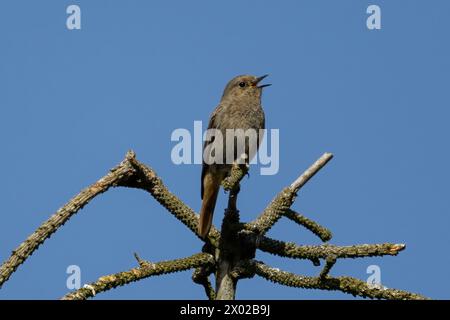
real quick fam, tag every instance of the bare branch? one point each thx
(291, 250)
(200, 276)
(142, 263)
(323, 233)
(116, 176)
(234, 247)
(149, 181)
(330, 261)
(349, 285)
(228, 247)
(129, 173)
(308, 174)
(225, 283)
(145, 270)
(229, 252)
(283, 201)
(243, 270)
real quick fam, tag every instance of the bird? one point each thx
(239, 108)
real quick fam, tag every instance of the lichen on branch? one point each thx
(229, 253)
(146, 269)
(349, 285)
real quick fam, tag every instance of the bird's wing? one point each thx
(211, 125)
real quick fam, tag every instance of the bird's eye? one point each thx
(241, 84)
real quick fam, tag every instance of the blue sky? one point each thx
(73, 102)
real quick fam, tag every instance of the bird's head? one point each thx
(245, 86)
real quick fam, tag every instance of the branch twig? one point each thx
(145, 270)
(200, 276)
(129, 173)
(234, 247)
(148, 180)
(349, 285)
(291, 250)
(283, 201)
(323, 233)
(329, 263)
(116, 176)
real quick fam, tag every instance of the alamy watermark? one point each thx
(373, 22)
(374, 280)
(74, 279)
(73, 21)
(232, 146)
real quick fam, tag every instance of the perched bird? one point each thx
(239, 108)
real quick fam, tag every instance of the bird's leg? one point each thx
(244, 164)
(246, 169)
(234, 176)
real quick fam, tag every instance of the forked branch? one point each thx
(292, 250)
(129, 173)
(146, 269)
(229, 253)
(284, 200)
(117, 175)
(349, 285)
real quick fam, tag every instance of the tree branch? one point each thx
(323, 233)
(229, 252)
(291, 250)
(202, 273)
(129, 173)
(283, 201)
(329, 263)
(147, 179)
(200, 276)
(146, 269)
(349, 285)
(116, 176)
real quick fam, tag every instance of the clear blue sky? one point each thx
(73, 102)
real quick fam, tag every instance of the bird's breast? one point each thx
(241, 117)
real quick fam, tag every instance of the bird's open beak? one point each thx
(259, 79)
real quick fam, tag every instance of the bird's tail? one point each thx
(211, 186)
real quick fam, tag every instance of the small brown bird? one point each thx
(239, 108)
